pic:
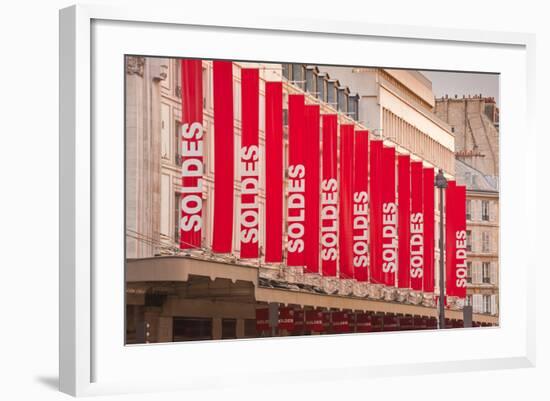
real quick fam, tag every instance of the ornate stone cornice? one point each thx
(135, 65)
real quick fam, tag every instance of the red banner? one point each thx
(314, 320)
(346, 201)
(361, 206)
(375, 216)
(390, 323)
(312, 196)
(222, 235)
(417, 227)
(428, 199)
(352, 321)
(262, 319)
(377, 322)
(192, 132)
(459, 239)
(404, 214)
(329, 196)
(327, 321)
(296, 181)
(389, 217)
(363, 323)
(450, 244)
(250, 164)
(286, 318)
(298, 320)
(340, 322)
(405, 323)
(274, 172)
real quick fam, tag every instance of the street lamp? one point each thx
(441, 183)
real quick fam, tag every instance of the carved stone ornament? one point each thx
(346, 287)
(360, 289)
(330, 285)
(135, 65)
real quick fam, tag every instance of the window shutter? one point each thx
(493, 273)
(477, 272)
(493, 304)
(477, 209)
(478, 303)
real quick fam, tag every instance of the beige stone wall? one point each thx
(485, 250)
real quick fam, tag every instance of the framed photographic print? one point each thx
(261, 199)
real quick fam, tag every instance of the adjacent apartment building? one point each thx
(474, 121)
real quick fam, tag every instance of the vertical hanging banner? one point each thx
(296, 181)
(329, 197)
(389, 217)
(450, 243)
(249, 163)
(190, 223)
(460, 241)
(416, 244)
(375, 216)
(428, 200)
(346, 201)
(274, 172)
(222, 235)
(404, 216)
(361, 206)
(313, 188)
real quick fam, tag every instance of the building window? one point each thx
(468, 300)
(311, 80)
(468, 209)
(298, 75)
(286, 71)
(486, 304)
(469, 240)
(485, 210)
(322, 87)
(485, 240)
(331, 93)
(469, 272)
(177, 147)
(486, 272)
(342, 100)
(192, 328)
(353, 107)
(177, 199)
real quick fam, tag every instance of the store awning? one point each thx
(179, 268)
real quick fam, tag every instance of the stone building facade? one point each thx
(482, 230)
(474, 121)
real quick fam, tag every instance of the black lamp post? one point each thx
(441, 183)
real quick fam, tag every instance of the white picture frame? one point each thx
(95, 361)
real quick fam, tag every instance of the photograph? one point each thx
(273, 199)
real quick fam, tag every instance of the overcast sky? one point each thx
(463, 83)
